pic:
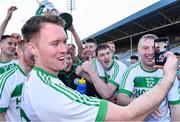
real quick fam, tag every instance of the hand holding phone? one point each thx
(161, 46)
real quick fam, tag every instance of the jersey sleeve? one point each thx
(7, 88)
(173, 95)
(127, 82)
(98, 68)
(117, 72)
(58, 102)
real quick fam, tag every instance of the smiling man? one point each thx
(142, 76)
(46, 98)
(11, 81)
(109, 70)
(7, 44)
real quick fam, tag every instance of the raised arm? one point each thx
(5, 22)
(77, 40)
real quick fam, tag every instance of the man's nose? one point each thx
(63, 48)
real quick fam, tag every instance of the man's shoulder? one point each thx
(121, 64)
(133, 68)
(8, 70)
(7, 67)
(9, 62)
(40, 74)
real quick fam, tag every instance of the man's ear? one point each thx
(31, 47)
(19, 52)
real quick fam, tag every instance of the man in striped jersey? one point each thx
(108, 69)
(11, 82)
(7, 44)
(8, 49)
(46, 98)
(142, 76)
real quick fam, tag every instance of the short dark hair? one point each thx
(134, 57)
(101, 47)
(32, 27)
(5, 37)
(110, 42)
(90, 40)
(176, 54)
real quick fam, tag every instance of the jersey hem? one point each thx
(114, 83)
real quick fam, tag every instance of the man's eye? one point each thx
(9, 43)
(65, 42)
(54, 44)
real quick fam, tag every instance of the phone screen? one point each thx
(161, 47)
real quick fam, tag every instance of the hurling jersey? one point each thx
(8, 62)
(113, 75)
(46, 98)
(136, 81)
(11, 83)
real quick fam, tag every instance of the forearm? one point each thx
(3, 26)
(175, 112)
(124, 100)
(78, 41)
(149, 101)
(2, 117)
(101, 87)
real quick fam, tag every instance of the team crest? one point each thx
(76, 81)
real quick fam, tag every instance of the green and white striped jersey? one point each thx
(11, 82)
(46, 98)
(137, 81)
(113, 75)
(9, 62)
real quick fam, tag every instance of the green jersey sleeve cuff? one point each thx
(102, 111)
(113, 83)
(125, 92)
(174, 102)
(3, 110)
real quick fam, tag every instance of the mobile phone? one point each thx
(161, 46)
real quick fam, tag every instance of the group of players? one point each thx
(31, 89)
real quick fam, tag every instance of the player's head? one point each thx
(69, 61)
(134, 59)
(177, 55)
(146, 50)
(104, 55)
(111, 46)
(26, 58)
(90, 47)
(47, 40)
(71, 48)
(8, 46)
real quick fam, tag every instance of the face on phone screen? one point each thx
(161, 47)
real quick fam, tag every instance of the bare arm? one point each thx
(5, 22)
(77, 40)
(104, 89)
(175, 112)
(124, 99)
(2, 116)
